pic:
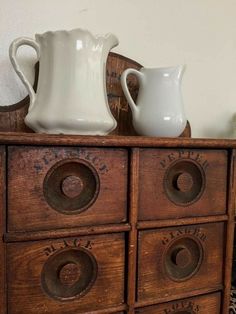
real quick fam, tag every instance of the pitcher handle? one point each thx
(13, 53)
(140, 76)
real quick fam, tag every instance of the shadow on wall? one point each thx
(228, 132)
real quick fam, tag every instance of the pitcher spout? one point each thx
(107, 42)
(178, 72)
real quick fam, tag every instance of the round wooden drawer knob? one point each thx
(69, 274)
(72, 186)
(184, 182)
(181, 257)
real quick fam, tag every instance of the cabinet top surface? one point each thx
(113, 141)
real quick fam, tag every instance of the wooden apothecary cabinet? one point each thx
(116, 224)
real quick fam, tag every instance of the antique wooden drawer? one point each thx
(174, 261)
(182, 183)
(71, 275)
(209, 304)
(50, 188)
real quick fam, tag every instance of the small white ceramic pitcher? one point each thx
(159, 110)
(71, 94)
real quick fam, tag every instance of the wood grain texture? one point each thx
(28, 207)
(229, 233)
(26, 261)
(158, 193)
(3, 309)
(67, 232)
(14, 138)
(142, 257)
(209, 304)
(154, 281)
(133, 213)
(150, 224)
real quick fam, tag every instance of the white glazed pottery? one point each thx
(159, 110)
(71, 94)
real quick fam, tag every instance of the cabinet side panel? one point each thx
(2, 230)
(230, 232)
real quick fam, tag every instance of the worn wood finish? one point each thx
(141, 248)
(68, 232)
(27, 192)
(112, 141)
(133, 214)
(209, 304)
(229, 233)
(32, 267)
(2, 231)
(164, 196)
(180, 259)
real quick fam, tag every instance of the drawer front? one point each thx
(52, 188)
(72, 275)
(209, 304)
(173, 261)
(182, 183)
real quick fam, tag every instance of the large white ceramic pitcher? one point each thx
(159, 110)
(71, 94)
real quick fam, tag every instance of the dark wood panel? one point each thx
(182, 183)
(2, 231)
(36, 205)
(229, 236)
(133, 214)
(209, 304)
(42, 277)
(174, 261)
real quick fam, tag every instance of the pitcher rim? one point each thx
(84, 30)
(180, 66)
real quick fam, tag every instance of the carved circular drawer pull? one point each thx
(71, 186)
(184, 182)
(69, 273)
(183, 258)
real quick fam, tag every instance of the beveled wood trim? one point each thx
(133, 214)
(116, 140)
(114, 309)
(173, 297)
(61, 233)
(229, 233)
(3, 307)
(180, 222)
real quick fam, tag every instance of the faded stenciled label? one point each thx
(184, 154)
(75, 243)
(182, 307)
(57, 155)
(188, 231)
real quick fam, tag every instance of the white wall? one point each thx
(198, 33)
